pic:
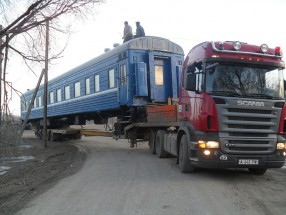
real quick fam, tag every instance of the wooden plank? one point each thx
(161, 113)
(152, 125)
(91, 132)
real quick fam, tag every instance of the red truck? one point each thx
(231, 110)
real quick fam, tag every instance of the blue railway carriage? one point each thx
(119, 83)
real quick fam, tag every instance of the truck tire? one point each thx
(185, 164)
(257, 171)
(160, 151)
(152, 139)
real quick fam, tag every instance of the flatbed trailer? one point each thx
(159, 117)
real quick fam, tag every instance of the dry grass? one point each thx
(10, 140)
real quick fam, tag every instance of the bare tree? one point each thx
(35, 17)
(29, 27)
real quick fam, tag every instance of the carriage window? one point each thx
(51, 97)
(123, 73)
(87, 86)
(96, 83)
(40, 101)
(159, 77)
(35, 103)
(23, 106)
(77, 89)
(59, 95)
(67, 93)
(26, 106)
(111, 82)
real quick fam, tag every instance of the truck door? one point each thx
(160, 79)
(123, 83)
(191, 100)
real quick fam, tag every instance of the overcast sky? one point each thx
(186, 22)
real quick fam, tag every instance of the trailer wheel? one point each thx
(257, 171)
(160, 151)
(52, 136)
(40, 134)
(185, 164)
(77, 137)
(152, 143)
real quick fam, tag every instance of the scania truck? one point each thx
(231, 111)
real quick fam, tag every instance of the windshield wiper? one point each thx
(224, 93)
(260, 95)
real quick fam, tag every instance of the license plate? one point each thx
(248, 162)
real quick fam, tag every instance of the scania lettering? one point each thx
(250, 103)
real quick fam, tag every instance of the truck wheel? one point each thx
(185, 164)
(257, 171)
(160, 151)
(152, 139)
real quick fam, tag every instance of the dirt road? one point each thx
(117, 180)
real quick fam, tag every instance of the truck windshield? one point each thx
(245, 81)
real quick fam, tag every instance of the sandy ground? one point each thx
(43, 167)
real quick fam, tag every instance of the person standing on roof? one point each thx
(128, 35)
(139, 30)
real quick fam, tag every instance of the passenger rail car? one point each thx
(118, 83)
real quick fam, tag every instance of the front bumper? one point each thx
(217, 159)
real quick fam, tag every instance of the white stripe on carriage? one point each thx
(77, 99)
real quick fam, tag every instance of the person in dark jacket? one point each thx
(139, 30)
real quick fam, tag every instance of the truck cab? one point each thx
(232, 107)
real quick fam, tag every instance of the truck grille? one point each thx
(248, 130)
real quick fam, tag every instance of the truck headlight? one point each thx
(281, 146)
(208, 144)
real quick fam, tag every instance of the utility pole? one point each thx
(1, 59)
(46, 85)
(31, 103)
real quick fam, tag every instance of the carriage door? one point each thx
(160, 79)
(123, 82)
